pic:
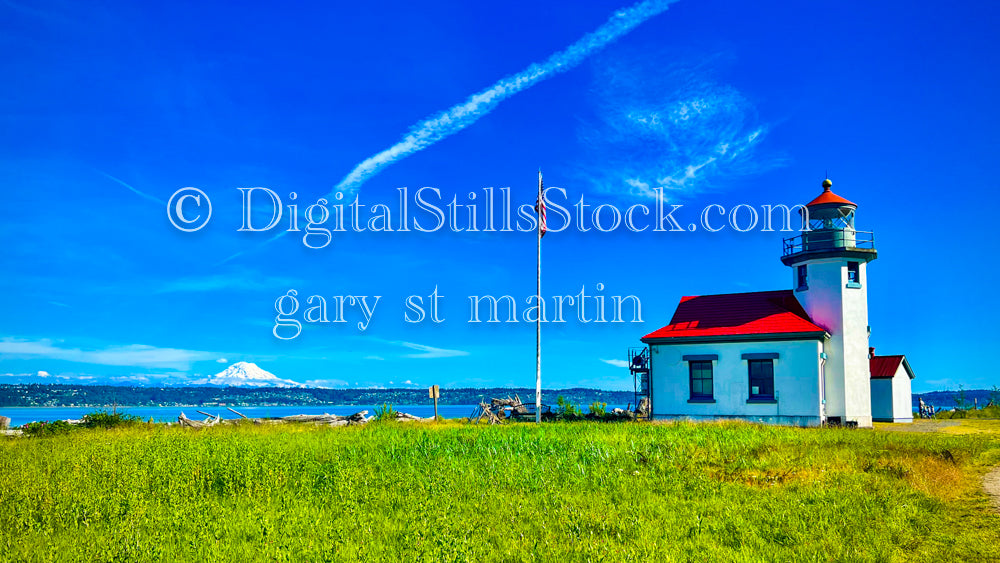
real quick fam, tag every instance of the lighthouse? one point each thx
(829, 270)
(798, 355)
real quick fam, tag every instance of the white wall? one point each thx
(796, 381)
(902, 398)
(843, 312)
(891, 398)
(882, 399)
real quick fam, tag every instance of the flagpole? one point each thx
(538, 316)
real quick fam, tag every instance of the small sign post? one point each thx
(435, 392)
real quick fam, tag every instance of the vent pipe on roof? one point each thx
(871, 352)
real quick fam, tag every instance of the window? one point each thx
(701, 379)
(853, 274)
(761, 379)
(803, 278)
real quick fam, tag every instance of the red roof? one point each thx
(829, 197)
(738, 314)
(884, 366)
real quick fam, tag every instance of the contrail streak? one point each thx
(458, 117)
(453, 120)
(123, 183)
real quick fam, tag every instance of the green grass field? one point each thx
(453, 492)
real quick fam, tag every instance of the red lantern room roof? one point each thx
(828, 197)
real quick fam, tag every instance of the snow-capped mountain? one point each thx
(247, 374)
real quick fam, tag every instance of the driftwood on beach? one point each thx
(183, 420)
(496, 410)
(316, 419)
(329, 419)
(512, 408)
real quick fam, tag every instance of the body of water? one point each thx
(24, 415)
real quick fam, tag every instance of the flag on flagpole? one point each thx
(540, 207)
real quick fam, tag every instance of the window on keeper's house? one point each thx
(854, 273)
(803, 277)
(761, 379)
(701, 379)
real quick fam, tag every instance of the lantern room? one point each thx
(831, 231)
(830, 212)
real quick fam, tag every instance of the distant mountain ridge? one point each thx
(951, 399)
(246, 374)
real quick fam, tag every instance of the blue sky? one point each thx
(108, 109)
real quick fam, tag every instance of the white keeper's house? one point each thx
(796, 356)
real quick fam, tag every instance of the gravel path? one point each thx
(920, 426)
(992, 485)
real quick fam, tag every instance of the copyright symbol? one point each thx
(189, 197)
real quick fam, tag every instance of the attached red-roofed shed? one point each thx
(885, 367)
(738, 316)
(892, 397)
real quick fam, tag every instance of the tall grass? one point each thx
(385, 413)
(562, 491)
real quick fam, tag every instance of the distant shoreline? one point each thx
(105, 396)
(23, 415)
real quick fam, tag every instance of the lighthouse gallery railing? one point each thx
(821, 239)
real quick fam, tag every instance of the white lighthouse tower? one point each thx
(829, 276)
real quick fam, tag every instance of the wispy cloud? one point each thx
(458, 117)
(671, 126)
(327, 383)
(49, 15)
(428, 352)
(243, 281)
(167, 378)
(129, 355)
(616, 363)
